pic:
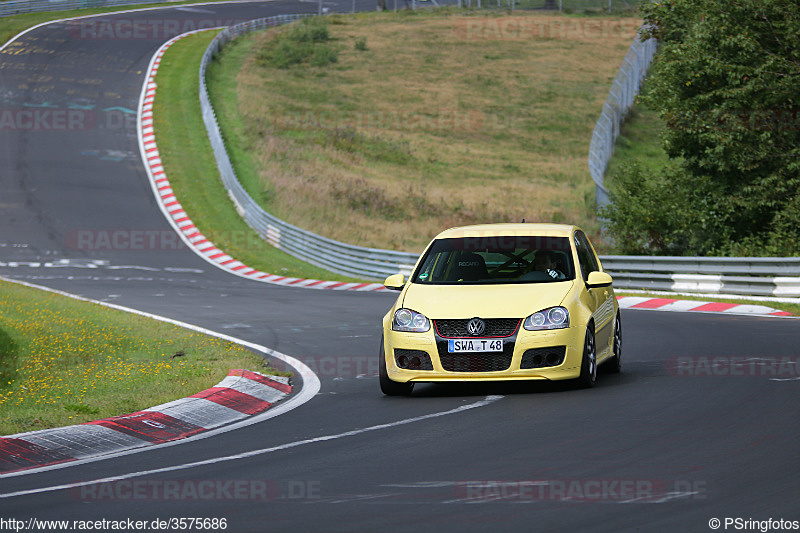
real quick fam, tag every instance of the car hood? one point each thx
(485, 301)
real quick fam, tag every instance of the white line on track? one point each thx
(216, 460)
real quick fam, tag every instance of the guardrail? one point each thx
(744, 276)
(748, 276)
(370, 263)
(620, 99)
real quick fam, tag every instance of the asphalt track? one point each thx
(702, 423)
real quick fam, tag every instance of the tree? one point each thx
(726, 83)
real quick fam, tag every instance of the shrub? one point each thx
(725, 83)
(323, 55)
(310, 30)
(288, 53)
(301, 42)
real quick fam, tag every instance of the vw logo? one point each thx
(476, 326)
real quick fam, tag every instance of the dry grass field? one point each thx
(425, 121)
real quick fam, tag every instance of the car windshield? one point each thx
(498, 259)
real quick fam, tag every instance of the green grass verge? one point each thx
(639, 142)
(65, 361)
(192, 171)
(782, 306)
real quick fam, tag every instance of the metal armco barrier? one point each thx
(749, 276)
(745, 276)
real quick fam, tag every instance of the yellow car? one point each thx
(501, 302)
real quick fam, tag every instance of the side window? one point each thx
(586, 257)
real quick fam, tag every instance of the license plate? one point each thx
(474, 345)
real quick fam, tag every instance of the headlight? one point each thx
(408, 320)
(553, 318)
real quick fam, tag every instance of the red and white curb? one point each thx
(241, 394)
(175, 214)
(669, 304)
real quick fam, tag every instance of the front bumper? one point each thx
(399, 344)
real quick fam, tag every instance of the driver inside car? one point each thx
(544, 267)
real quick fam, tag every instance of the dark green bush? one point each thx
(310, 30)
(725, 82)
(323, 55)
(303, 42)
(288, 53)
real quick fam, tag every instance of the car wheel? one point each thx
(389, 387)
(589, 362)
(615, 363)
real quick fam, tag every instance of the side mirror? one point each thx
(395, 282)
(599, 279)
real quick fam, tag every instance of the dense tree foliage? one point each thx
(726, 83)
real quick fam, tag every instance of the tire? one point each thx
(615, 363)
(389, 387)
(588, 375)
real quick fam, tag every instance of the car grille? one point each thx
(413, 359)
(495, 327)
(476, 361)
(543, 357)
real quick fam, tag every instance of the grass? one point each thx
(64, 361)
(793, 308)
(190, 166)
(639, 141)
(391, 144)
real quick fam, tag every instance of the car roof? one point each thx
(498, 230)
